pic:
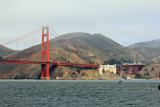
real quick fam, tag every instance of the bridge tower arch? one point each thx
(45, 53)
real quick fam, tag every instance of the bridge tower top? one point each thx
(45, 44)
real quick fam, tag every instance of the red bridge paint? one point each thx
(45, 53)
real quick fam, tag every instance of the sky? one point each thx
(124, 21)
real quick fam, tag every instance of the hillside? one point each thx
(5, 51)
(146, 54)
(150, 72)
(95, 46)
(63, 48)
(151, 44)
(147, 51)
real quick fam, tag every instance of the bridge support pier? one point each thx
(43, 67)
(128, 71)
(136, 70)
(45, 71)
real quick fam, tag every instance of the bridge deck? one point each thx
(51, 63)
(131, 65)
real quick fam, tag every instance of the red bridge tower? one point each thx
(45, 53)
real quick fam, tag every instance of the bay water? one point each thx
(79, 93)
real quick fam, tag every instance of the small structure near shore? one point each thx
(111, 68)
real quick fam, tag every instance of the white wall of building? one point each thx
(111, 68)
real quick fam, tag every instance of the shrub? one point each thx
(138, 76)
(152, 69)
(71, 75)
(111, 62)
(145, 70)
(147, 74)
(84, 74)
(103, 71)
(78, 70)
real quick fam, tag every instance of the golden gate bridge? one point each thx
(28, 45)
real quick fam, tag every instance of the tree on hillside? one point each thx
(1, 57)
(145, 69)
(138, 76)
(152, 69)
(126, 60)
(111, 62)
(103, 71)
(78, 70)
(147, 74)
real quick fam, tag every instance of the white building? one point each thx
(111, 68)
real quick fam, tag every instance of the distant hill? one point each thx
(4, 51)
(147, 51)
(146, 54)
(151, 44)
